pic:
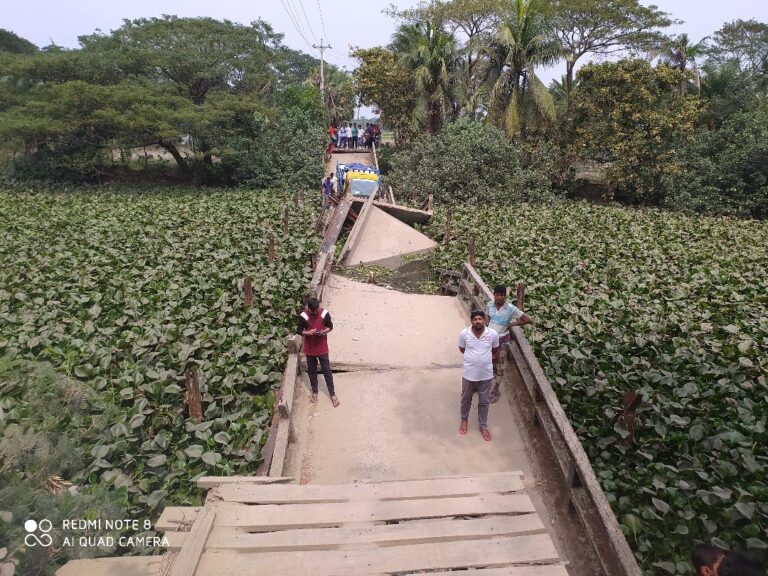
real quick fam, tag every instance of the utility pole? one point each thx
(322, 48)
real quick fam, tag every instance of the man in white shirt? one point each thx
(480, 347)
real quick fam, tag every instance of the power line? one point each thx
(295, 25)
(322, 21)
(311, 31)
(294, 16)
(297, 18)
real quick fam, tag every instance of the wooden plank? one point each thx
(448, 476)
(213, 481)
(127, 566)
(430, 488)
(543, 570)
(496, 552)
(385, 534)
(375, 156)
(287, 391)
(285, 516)
(282, 438)
(357, 367)
(337, 223)
(479, 282)
(176, 518)
(185, 564)
(269, 446)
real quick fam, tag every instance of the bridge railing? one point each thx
(579, 490)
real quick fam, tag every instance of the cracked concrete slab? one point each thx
(400, 424)
(384, 237)
(380, 328)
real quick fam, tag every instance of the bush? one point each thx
(726, 169)
(41, 449)
(471, 161)
(285, 148)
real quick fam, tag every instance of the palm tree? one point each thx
(679, 54)
(430, 53)
(559, 91)
(523, 40)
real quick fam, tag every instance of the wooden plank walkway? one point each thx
(484, 523)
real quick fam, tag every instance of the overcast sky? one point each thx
(340, 22)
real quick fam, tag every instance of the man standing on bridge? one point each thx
(314, 325)
(501, 316)
(480, 346)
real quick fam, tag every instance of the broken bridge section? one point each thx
(384, 239)
(486, 523)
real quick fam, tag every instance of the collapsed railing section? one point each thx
(581, 491)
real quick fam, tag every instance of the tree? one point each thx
(339, 93)
(15, 44)
(523, 40)
(194, 54)
(214, 85)
(603, 27)
(727, 89)
(679, 53)
(473, 20)
(559, 96)
(430, 54)
(467, 162)
(628, 116)
(725, 169)
(384, 83)
(745, 41)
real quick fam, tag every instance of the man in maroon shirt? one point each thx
(314, 325)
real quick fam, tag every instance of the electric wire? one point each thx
(322, 20)
(295, 25)
(311, 31)
(297, 18)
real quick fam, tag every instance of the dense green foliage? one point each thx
(428, 53)
(45, 419)
(471, 161)
(672, 307)
(226, 112)
(124, 293)
(683, 130)
(13, 43)
(628, 115)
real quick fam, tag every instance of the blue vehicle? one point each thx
(358, 179)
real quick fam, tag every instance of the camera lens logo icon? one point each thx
(38, 533)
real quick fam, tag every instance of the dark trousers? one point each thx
(325, 365)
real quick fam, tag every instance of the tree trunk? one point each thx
(173, 151)
(569, 67)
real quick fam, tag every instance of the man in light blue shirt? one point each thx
(501, 316)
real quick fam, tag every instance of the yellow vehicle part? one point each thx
(355, 175)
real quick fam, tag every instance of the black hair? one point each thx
(500, 289)
(313, 304)
(740, 564)
(476, 313)
(705, 555)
